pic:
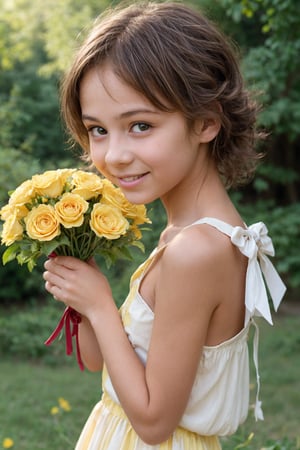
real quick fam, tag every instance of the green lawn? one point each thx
(27, 394)
(29, 391)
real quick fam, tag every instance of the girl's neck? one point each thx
(204, 197)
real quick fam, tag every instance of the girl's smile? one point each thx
(147, 152)
(132, 180)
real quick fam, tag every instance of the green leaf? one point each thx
(48, 247)
(121, 252)
(246, 443)
(31, 264)
(10, 253)
(139, 244)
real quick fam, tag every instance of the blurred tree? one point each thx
(37, 40)
(273, 69)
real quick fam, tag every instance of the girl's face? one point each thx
(147, 152)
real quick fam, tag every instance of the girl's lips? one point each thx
(131, 180)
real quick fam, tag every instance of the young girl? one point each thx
(156, 100)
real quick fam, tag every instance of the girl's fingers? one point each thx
(50, 288)
(66, 261)
(54, 284)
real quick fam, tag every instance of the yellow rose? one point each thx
(137, 232)
(23, 194)
(12, 230)
(107, 221)
(64, 174)
(138, 213)
(42, 223)
(108, 186)
(86, 184)
(71, 209)
(115, 197)
(49, 183)
(6, 211)
(19, 211)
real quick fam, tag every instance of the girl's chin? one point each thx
(138, 198)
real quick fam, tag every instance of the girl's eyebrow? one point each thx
(123, 115)
(138, 111)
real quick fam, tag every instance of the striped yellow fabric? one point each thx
(109, 429)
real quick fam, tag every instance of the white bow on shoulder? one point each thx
(255, 243)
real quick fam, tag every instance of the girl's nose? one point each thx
(118, 153)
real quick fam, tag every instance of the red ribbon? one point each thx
(70, 321)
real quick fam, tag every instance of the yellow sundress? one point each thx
(219, 401)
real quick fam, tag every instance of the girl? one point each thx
(156, 100)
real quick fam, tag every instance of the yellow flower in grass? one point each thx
(71, 209)
(42, 223)
(49, 183)
(7, 443)
(54, 410)
(64, 404)
(108, 222)
(86, 184)
(12, 230)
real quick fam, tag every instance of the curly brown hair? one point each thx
(179, 61)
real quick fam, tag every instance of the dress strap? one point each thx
(254, 243)
(224, 227)
(258, 412)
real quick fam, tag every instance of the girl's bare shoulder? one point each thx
(201, 245)
(206, 259)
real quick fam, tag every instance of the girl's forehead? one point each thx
(101, 88)
(102, 81)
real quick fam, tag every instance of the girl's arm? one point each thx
(89, 346)
(191, 285)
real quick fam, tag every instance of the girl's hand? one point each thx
(78, 284)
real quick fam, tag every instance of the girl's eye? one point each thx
(140, 127)
(97, 131)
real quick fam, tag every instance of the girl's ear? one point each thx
(207, 130)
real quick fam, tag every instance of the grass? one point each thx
(28, 392)
(279, 365)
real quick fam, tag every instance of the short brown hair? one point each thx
(172, 52)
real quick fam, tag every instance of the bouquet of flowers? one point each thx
(73, 213)
(70, 212)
